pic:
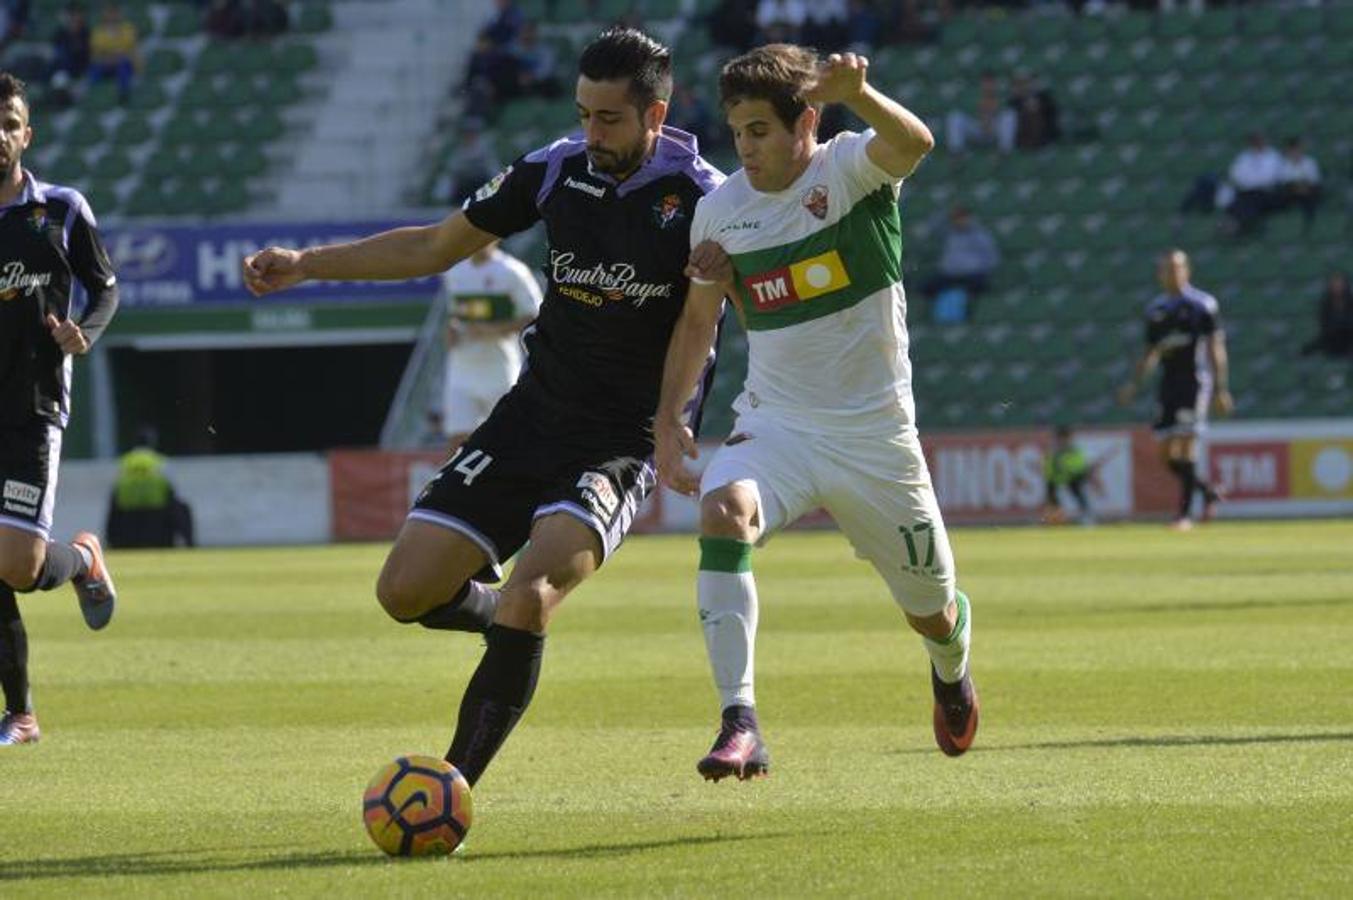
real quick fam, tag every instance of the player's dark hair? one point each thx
(780, 74)
(11, 86)
(629, 53)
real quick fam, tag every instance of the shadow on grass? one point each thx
(1164, 740)
(190, 862)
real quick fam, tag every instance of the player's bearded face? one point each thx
(618, 138)
(14, 133)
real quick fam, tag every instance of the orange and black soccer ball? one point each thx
(417, 806)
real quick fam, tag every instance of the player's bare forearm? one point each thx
(412, 252)
(901, 139)
(1220, 362)
(692, 338)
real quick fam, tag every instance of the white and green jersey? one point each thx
(819, 277)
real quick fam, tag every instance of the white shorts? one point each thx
(467, 402)
(877, 489)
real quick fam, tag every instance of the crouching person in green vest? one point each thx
(1066, 467)
(144, 510)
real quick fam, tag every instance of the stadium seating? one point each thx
(189, 142)
(1148, 103)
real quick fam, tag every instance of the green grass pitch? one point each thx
(1164, 714)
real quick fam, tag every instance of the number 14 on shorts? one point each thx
(471, 464)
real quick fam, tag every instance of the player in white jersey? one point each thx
(490, 298)
(826, 418)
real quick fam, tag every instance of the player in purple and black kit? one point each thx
(1185, 338)
(49, 244)
(564, 459)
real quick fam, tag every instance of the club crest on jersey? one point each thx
(668, 211)
(797, 282)
(815, 200)
(37, 219)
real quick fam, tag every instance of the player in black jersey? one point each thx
(565, 457)
(48, 243)
(1185, 338)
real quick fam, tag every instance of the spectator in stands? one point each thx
(1037, 121)
(906, 24)
(13, 20)
(968, 257)
(537, 64)
(780, 20)
(992, 122)
(1298, 181)
(114, 50)
(1254, 179)
(1336, 319)
(732, 24)
(473, 165)
(689, 112)
(491, 78)
(264, 18)
(824, 25)
(224, 19)
(864, 28)
(506, 24)
(70, 44)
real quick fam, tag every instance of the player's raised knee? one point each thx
(20, 566)
(403, 597)
(527, 606)
(729, 512)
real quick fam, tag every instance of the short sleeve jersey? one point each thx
(614, 277)
(1177, 326)
(819, 279)
(49, 243)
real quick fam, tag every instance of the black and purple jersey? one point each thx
(615, 280)
(1178, 327)
(49, 243)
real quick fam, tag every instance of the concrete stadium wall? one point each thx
(236, 500)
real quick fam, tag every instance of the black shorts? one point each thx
(1182, 411)
(528, 461)
(29, 457)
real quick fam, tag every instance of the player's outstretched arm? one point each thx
(901, 140)
(393, 255)
(1142, 371)
(687, 352)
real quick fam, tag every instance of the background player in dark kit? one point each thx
(48, 243)
(564, 459)
(1185, 338)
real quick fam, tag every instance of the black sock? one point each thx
(1184, 471)
(743, 717)
(62, 563)
(498, 694)
(471, 609)
(13, 654)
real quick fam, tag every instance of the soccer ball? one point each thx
(417, 806)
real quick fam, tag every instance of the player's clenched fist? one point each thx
(673, 441)
(840, 79)
(68, 336)
(272, 269)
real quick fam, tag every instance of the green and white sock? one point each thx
(950, 655)
(726, 592)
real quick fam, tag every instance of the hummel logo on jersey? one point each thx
(15, 279)
(745, 225)
(593, 189)
(800, 281)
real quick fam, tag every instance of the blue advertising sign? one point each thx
(189, 266)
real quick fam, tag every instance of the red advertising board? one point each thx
(1250, 470)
